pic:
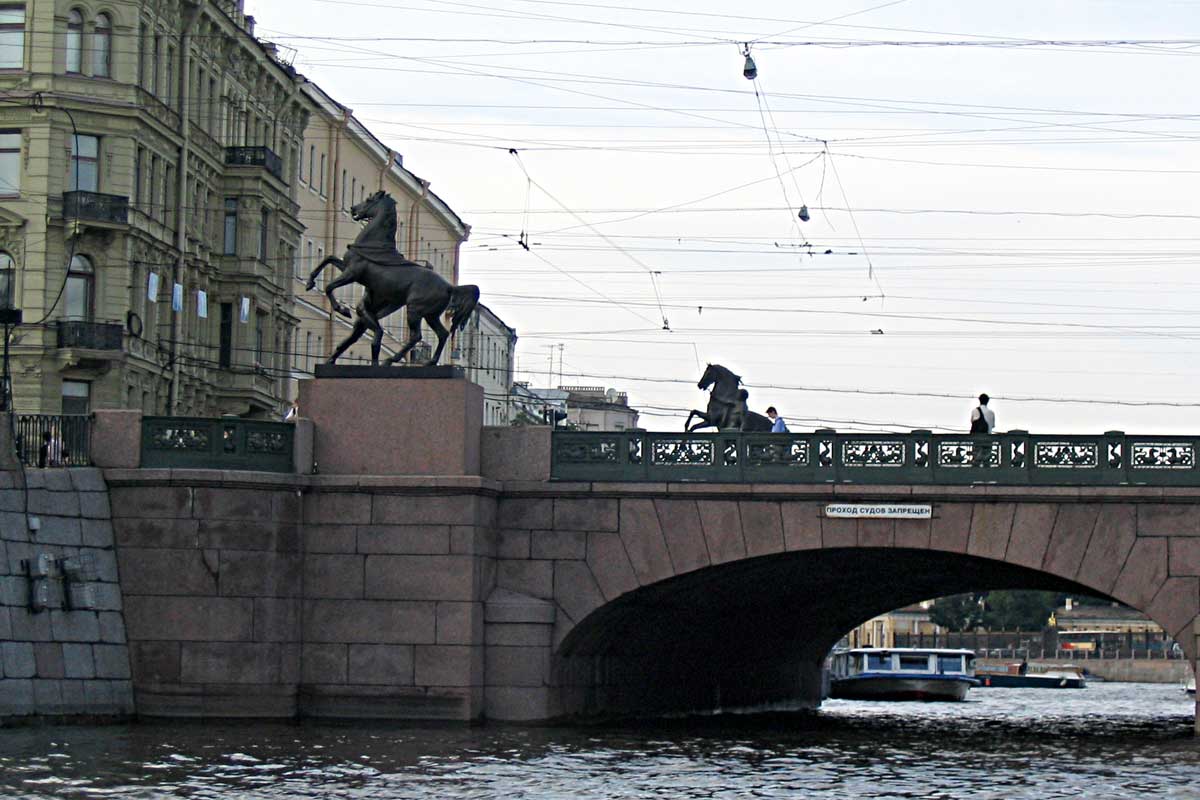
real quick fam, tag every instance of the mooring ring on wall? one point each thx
(134, 324)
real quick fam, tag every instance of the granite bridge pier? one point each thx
(421, 566)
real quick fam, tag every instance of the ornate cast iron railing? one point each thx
(54, 440)
(255, 157)
(112, 209)
(225, 443)
(90, 335)
(1015, 458)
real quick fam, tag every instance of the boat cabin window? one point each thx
(914, 662)
(879, 661)
(950, 664)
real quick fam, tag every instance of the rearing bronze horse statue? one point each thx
(390, 282)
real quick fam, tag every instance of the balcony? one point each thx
(106, 209)
(255, 157)
(79, 335)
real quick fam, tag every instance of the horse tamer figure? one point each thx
(390, 282)
(726, 404)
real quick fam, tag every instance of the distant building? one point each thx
(485, 348)
(1095, 627)
(594, 408)
(881, 631)
(537, 406)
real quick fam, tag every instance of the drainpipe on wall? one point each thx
(181, 211)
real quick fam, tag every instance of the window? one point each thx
(342, 188)
(231, 205)
(297, 264)
(12, 37)
(85, 158)
(353, 189)
(169, 79)
(102, 47)
(155, 57)
(77, 297)
(312, 164)
(138, 156)
(879, 661)
(949, 664)
(321, 188)
(321, 277)
(225, 346)
(10, 163)
(75, 397)
(74, 42)
(213, 101)
(260, 337)
(7, 273)
(916, 663)
(169, 195)
(153, 210)
(263, 225)
(307, 363)
(308, 257)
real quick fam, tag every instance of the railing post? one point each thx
(1115, 455)
(827, 457)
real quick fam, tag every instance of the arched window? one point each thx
(74, 41)
(7, 273)
(77, 298)
(102, 47)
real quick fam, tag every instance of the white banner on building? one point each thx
(201, 304)
(244, 312)
(879, 510)
(177, 297)
(152, 287)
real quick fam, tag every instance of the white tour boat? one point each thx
(902, 673)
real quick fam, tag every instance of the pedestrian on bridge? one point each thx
(777, 423)
(983, 419)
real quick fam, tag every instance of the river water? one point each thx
(1105, 741)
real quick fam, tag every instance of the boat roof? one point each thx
(941, 651)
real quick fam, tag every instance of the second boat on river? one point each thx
(902, 673)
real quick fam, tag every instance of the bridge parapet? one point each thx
(1015, 458)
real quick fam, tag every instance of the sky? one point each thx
(999, 197)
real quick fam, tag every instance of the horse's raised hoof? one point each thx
(309, 286)
(345, 312)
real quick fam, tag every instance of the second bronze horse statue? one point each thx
(391, 282)
(726, 404)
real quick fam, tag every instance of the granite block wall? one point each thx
(63, 649)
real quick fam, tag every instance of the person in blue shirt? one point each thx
(777, 423)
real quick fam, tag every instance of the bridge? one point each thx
(459, 572)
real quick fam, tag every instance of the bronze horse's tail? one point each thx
(463, 300)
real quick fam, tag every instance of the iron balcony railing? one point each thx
(1015, 458)
(255, 157)
(90, 335)
(54, 440)
(224, 443)
(112, 209)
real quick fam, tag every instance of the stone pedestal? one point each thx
(393, 421)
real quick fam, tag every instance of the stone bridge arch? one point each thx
(615, 599)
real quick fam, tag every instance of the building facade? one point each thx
(149, 224)
(486, 349)
(594, 408)
(881, 631)
(340, 164)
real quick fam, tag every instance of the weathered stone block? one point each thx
(534, 578)
(558, 544)
(1185, 556)
(27, 627)
(517, 666)
(1112, 538)
(1165, 519)
(106, 566)
(525, 513)
(262, 534)
(57, 480)
(1143, 574)
(112, 661)
(645, 544)
(166, 532)
(108, 597)
(459, 623)
(876, 532)
(1176, 604)
(1069, 541)
(519, 704)
(583, 514)
(330, 538)
(1032, 525)
(225, 662)
(48, 699)
(146, 501)
(112, 627)
(162, 571)
(19, 660)
(276, 619)
(404, 539)
(991, 527)
(513, 544)
(382, 664)
(762, 527)
(951, 527)
(49, 659)
(504, 606)
(420, 577)
(337, 508)
(6, 631)
(155, 662)
(472, 540)
(519, 635)
(229, 619)
(683, 536)
(913, 533)
(94, 505)
(520, 453)
(370, 622)
(87, 479)
(335, 575)
(75, 626)
(839, 532)
(323, 663)
(258, 573)
(60, 530)
(610, 565)
(78, 661)
(446, 665)
(228, 503)
(16, 697)
(397, 509)
(43, 501)
(575, 589)
(96, 532)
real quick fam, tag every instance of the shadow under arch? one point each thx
(756, 631)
